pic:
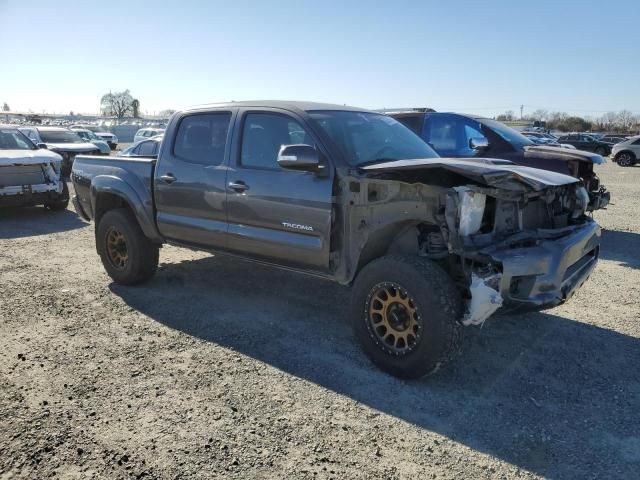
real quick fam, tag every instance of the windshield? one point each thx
(364, 137)
(88, 135)
(13, 139)
(60, 136)
(508, 134)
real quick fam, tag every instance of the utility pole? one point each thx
(521, 108)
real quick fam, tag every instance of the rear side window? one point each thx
(201, 138)
(147, 148)
(263, 135)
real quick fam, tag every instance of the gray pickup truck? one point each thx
(429, 244)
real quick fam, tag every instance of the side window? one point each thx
(201, 138)
(637, 142)
(147, 148)
(32, 135)
(450, 134)
(574, 137)
(264, 133)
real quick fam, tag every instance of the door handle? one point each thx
(238, 186)
(168, 178)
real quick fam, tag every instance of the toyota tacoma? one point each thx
(428, 244)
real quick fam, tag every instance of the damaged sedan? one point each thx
(429, 245)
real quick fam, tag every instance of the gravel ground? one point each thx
(223, 369)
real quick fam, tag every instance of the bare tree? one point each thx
(539, 114)
(625, 119)
(5, 107)
(166, 113)
(117, 104)
(507, 116)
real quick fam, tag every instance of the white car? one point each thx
(146, 133)
(29, 175)
(627, 153)
(108, 137)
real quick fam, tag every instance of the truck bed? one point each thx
(133, 176)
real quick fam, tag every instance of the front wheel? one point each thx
(62, 202)
(625, 159)
(405, 313)
(128, 256)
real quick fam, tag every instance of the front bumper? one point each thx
(30, 195)
(548, 272)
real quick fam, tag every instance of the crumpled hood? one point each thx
(73, 147)
(544, 151)
(28, 157)
(487, 171)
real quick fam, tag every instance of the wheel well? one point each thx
(108, 201)
(400, 239)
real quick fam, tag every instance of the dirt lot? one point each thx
(221, 369)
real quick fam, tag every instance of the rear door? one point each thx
(277, 215)
(190, 180)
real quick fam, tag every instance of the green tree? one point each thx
(135, 106)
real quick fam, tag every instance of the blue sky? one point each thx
(479, 57)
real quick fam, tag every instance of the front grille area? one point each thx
(18, 175)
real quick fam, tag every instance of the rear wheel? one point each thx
(625, 159)
(601, 151)
(405, 314)
(128, 256)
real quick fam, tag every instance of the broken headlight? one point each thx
(470, 210)
(582, 202)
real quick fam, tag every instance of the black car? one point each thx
(459, 135)
(614, 138)
(588, 143)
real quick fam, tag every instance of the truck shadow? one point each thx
(32, 221)
(622, 247)
(534, 391)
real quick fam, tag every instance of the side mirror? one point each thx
(478, 143)
(41, 145)
(299, 157)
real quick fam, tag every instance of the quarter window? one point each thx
(263, 135)
(201, 138)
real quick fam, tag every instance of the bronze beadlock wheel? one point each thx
(117, 249)
(393, 318)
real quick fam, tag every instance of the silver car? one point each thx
(627, 153)
(91, 137)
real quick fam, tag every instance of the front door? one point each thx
(277, 215)
(190, 181)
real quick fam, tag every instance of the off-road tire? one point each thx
(625, 159)
(439, 306)
(142, 254)
(62, 202)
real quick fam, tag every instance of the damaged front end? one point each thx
(524, 250)
(509, 236)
